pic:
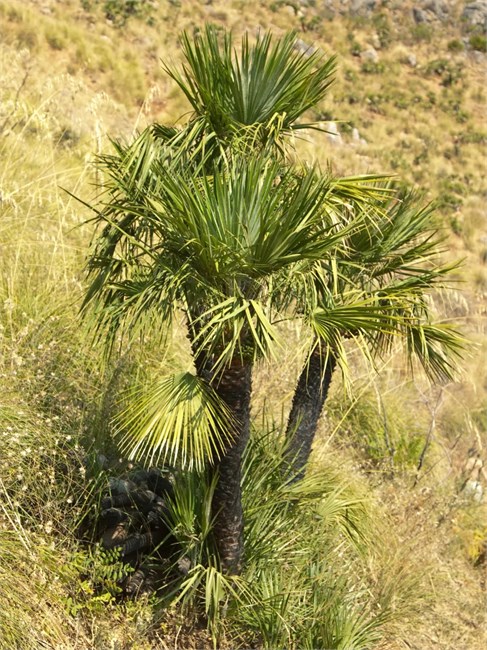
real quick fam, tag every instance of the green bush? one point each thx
(119, 11)
(455, 45)
(422, 33)
(478, 42)
(371, 67)
(306, 590)
(450, 72)
(383, 27)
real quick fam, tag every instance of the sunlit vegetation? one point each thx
(107, 510)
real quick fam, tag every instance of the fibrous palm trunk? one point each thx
(234, 388)
(308, 401)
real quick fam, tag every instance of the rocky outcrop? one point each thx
(431, 10)
(475, 14)
(353, 7)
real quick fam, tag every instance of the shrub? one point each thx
(372, 67)
(422, 33)
(119, 11)
(455, 45)
(478, 42)
(306, 590)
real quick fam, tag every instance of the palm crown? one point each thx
(258, 93)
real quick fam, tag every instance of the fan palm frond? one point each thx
(179, 420)
(267, 86)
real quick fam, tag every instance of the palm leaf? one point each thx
(436, 346)
(179, 420)
(267, 83)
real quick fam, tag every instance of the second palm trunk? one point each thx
(309, 398)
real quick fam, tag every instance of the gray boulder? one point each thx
(370, 55)
(419, 15)
(304, 48)
(333, 134)
(439, 8)
(362, 7)
(475, 14)
(431, 10)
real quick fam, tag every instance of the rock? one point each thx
(333, 133)
(430, 10)
(376, 41)
(329, 7)
(419, 15)
(474, 490)
(478, 57)
(356, 139)
(412, 60)
(439, 8)
(475, 14)
(370, 55)
(362, 7)
(304, 48)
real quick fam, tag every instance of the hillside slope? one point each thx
(410, 98)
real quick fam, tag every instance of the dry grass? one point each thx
(69, 78)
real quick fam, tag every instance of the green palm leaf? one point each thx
(259, 93)
(179, 420)
(436, 346)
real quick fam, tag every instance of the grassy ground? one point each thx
(69, 78)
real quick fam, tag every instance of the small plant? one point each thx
(383, 28)
(449, 72)
(455, 45)
(372, 67)
(422, 33)
(119, 11)
(478, 42)
(100, 574)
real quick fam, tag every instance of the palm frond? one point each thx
(436, 347)
(179, 420)
(236, 327)
(265, 84)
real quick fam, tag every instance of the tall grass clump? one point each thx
(33, 596)
(312, 577)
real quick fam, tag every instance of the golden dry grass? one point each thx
(85, 79)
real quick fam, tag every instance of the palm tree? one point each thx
(187, 221)
(221, 242)
(253, 98)
(212, 220)
(376, 292)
